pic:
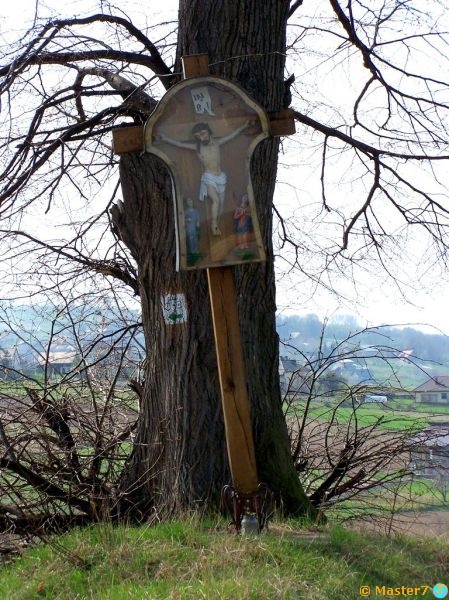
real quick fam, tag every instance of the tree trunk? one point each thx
(179, 457)
(179, 460)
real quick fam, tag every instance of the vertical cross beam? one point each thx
(231, 370)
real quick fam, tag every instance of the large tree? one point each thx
(181, 393)
(87, 75)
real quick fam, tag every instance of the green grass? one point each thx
(391, 419)
(15, 389)
(183, 560)
(432, 408)
(396, 415)
(398, 497)
(367, 414)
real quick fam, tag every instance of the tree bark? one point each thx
(180, 426)
(179, 460)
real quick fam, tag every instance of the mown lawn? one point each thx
(366, 414)
(194, 560)
(396, 415)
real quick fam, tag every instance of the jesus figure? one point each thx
(213, 179)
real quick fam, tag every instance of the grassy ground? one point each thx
(183, 560)
(396, 415)
(367, 414)
(397, 498)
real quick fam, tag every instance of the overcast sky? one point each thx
(376, 299)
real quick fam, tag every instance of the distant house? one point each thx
(57, 363)
(429, 452)
(434, 390)
(8, 362)
(7, 357)
(293, 376)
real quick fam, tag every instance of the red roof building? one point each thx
(434, 390)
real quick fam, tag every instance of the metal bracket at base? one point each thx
(258, 503)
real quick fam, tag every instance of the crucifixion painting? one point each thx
(205, 129)
(213, 179)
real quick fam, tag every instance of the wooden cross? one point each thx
(236, 410)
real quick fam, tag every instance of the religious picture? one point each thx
(205, 129)
(213, 179)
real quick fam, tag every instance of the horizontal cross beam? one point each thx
(130, 139)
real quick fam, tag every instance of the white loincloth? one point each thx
(216, 180)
